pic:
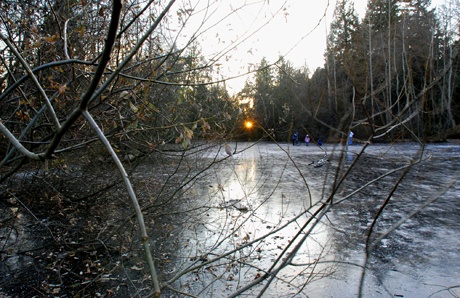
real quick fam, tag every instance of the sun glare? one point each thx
(248, 124)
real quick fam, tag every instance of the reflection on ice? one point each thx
(259, 230)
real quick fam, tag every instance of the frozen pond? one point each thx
(268, 222)
(272, 220)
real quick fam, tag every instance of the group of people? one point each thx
(295, 139)
(307, 140)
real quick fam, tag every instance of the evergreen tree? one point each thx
(263, 94)
(345, 62)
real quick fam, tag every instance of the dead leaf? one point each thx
(136, 268)
(228, 150)
(51, 39)
(133, 107)
(124, 94)
(62, 88)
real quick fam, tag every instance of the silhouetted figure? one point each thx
(295, 139)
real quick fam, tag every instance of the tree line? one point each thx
(391, 75)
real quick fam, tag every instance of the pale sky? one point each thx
(296, 29)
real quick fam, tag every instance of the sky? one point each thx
(296, 29)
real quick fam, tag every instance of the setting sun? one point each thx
(248, 124)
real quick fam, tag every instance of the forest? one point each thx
(389, 76)
(92, 91)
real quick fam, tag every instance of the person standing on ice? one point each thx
(307, 140)
(350, 138)
(295, 138)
